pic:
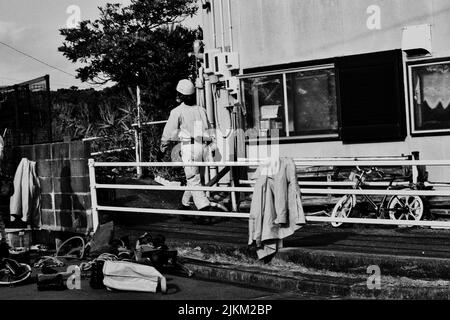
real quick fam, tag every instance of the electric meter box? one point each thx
(220, 68)
(232, 84)
(209, 60)
(232, 60)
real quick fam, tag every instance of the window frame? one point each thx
(288, 138)
(417, 64)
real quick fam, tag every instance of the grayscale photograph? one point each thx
(221, 158)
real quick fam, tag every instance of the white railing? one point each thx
(305, 191)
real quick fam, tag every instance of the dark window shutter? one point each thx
(372, 97)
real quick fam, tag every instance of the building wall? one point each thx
(268, 32)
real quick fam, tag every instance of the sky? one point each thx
(32, 26)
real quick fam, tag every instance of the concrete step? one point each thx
(392, 265)
(321, 285)
(336, 286)
(356, 256)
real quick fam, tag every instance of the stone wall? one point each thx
(64, 177)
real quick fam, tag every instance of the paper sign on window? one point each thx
(269, 112)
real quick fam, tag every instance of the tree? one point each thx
(140, 44)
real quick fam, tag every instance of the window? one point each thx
(264, 99)
(357, 98)
(312, 102)
(372, 97)
(310, 97)
(430, 97)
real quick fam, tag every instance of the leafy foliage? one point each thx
(109, 114)
(140, 44)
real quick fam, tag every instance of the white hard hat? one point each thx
(185, 87)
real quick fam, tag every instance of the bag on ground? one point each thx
(129, 276)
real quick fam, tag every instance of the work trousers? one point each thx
(194, 153)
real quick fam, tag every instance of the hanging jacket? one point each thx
(25, 202)
(276, 211)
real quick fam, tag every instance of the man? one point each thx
(188, 123)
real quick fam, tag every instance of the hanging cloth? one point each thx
(25, 202)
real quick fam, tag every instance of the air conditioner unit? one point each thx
(220, 68)
(232, 60)
(209, 60)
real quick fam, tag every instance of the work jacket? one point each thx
(186, 122)
(276, 211)
(2, 146)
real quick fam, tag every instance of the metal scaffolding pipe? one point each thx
(298, 163)
(213, 24)
(402, 192)
(442, 224)
(222, 26)
(230, 25)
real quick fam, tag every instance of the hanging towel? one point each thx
(276, 211)
(25, 202)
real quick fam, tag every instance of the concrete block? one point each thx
(46, 184)
(61, 168)
(63, 219)
(81, 202)
(79, 219)
(43, 151)
(71, 185)
(62, 185)
(80, 184)
(71, 219)
(44, 168)
(46, 201)
(60, 150)
(48, 217)
(63, 201)
(79, 168)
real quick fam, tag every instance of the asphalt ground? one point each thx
(178, 288)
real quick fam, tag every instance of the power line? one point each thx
(36, 59)
(45, 63)
(57, 83)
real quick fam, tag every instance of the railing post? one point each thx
(419, 172)
(234, 204)
(138, 153)
(138, 133)
(93, 188)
